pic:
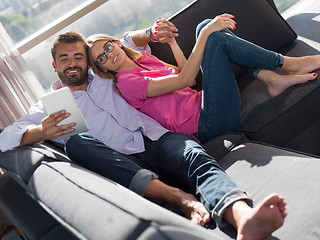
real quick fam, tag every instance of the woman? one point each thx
(162, 91)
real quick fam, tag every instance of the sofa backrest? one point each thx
(257, 21)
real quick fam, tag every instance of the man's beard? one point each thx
(73, 80)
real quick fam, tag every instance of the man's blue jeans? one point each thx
(173, 154)
(221, 103)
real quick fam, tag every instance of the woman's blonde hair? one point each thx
(132, 54)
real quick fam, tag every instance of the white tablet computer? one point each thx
(63, 99)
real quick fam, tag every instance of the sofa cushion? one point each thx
(290, 120)
(262, 170)
(220, 146)
(22, 162)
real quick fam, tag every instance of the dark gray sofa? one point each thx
(290, 120)
(48, 197)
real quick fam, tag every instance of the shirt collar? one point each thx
(56, 85)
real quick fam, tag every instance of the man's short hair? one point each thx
(67, 37)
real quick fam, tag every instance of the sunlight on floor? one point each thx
(302, 7)
(317, 18)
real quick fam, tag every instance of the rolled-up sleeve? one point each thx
(128, 42)
(12, 135)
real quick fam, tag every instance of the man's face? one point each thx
(71, 63)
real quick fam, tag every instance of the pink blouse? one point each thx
(178, 111)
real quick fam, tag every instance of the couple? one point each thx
(120, 135)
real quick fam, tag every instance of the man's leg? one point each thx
(187, 203)
(94, 155)
(258, 222)
(179, 154)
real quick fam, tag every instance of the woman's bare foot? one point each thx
(301, 65)
(277, 83)
(262, 220)
(192, 208)
(285, 81)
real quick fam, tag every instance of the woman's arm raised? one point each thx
(178, 54)
(167, 84)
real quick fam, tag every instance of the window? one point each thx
(19, 87)
(134, 14)
(21, 18)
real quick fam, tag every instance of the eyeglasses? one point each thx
(108, 48)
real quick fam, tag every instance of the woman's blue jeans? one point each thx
(221, 103)
(173, 155)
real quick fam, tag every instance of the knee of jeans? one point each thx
(217, 37)
(201, 25)
(215, 40)
(73, 140)
(227, 30)
(77, 140)
(71, 143)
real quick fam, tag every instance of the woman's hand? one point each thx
(163, 31)
(219, 23)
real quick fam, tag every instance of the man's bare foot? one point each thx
(301, 65)
(262, 220)
(187, 203)
(282, 82)
(192, 208)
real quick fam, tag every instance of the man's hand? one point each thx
(48, 129)
(163, 31)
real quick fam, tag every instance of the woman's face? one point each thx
(108, 55)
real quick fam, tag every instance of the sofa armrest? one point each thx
(93, 207)
(22, 162)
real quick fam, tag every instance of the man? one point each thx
(119, 133)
